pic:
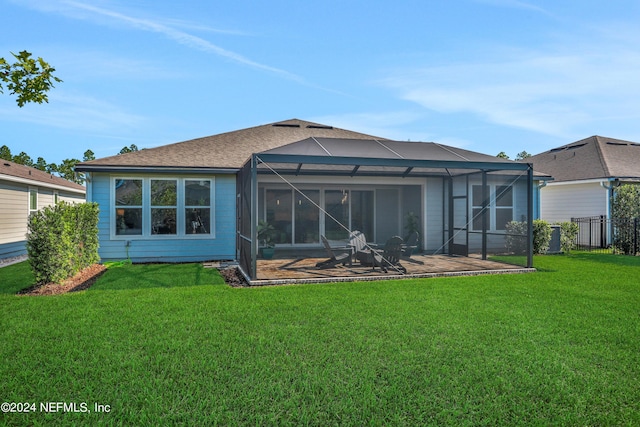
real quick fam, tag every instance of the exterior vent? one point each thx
(569, 147)
(627, 144)
(285, 125)
(319, 127)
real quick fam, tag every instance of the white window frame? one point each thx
(493, 205)
(146, 209)
(151, 207)
(30, 209)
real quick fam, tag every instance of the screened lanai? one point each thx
(462, 203)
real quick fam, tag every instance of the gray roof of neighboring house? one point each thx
(17, 172)
(590, 158)
(228, 150)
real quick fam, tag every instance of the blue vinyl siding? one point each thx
(9, 250)
(221, 245)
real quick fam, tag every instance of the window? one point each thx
(499, 210)
(504, 206)
(478, 202)
(164, 200)
(197, 202)
(128, 206)
(162, 207)
(33, 200)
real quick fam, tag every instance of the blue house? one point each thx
(202, 199)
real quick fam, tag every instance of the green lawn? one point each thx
(172, 344)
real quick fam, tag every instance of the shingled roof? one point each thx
(225, 151)
(590, 158)
(16, 172)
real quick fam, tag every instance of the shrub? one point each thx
(625, 206)
(62, 240)
(517, 236)
(541, 236)
(568, 233)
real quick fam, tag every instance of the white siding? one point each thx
(561, 202)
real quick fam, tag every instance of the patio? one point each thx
(304, 270)
(459, 202)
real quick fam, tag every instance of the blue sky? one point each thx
(485, 75)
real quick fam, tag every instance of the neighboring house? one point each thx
(24, 190)
(202, 199)
(584, 174)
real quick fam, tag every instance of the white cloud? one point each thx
(383, 125)
(74, 112)
(551, 92)
(168, 28)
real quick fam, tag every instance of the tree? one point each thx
(626, 202)
(23, 159)
(41, 164)
(28, 78)
(502, 155)
(129, 149)
(5, 153)
(523, 155)
(65, 170)
(88, 155)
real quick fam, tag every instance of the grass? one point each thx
(171, 344)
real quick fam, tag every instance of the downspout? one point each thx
(537, 213)
(610, 194)
(610, 188)
(88, 187)
(530, 216)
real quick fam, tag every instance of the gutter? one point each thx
(42, 184)
(146, 169)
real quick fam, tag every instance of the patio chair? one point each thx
(361, 250)
(336, 255)
(390, 256)
(411, 245)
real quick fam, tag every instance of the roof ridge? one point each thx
(602, 156)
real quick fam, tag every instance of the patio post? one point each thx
(254, 216)
(485, 207)
(530, 216)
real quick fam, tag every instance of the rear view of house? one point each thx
(24, 190)
(202, 199)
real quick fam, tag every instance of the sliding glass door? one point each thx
(297, 218)
(348, 210)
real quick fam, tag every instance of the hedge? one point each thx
(62, 240)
